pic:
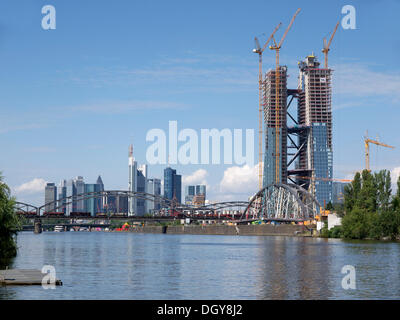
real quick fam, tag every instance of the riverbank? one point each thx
(245, 230)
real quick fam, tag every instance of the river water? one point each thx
(111, 265)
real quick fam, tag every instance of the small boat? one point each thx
(58, 229)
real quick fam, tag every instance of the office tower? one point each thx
(79, 189)
(275, 127)
(172, 184)
(178, 187)
(94, 205)
(201, 190)
(190, 193)
(141, 187)
(101, 200)
(132, 184)
(62, 194)
(50, 197)
(315, 113)
(193, 191)
(71, 194)
(154, 187)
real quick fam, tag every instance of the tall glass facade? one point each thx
(172, 184)
(322, 159)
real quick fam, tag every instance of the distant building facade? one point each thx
(172, 184)
(195, 194)
(154, 188)
(50, 197)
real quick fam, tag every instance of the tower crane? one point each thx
(367, 141)
(260, 51)
(277, 47)
(325, 50)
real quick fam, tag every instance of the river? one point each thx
(112, 265)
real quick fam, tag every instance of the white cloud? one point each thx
(358, 80)
(34, 186)
(240, 180)
(197, 177)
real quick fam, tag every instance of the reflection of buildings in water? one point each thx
(294, 268)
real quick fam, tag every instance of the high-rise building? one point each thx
(132, 184)
(154, 187)
(141, 187)
(71, 194)
(172, 184)
(79, 189)
(275, 127)
(62, 194)
(50, 197)
(94, 205)
(193, 191)
(315, 113)
(190, 193)
(201, 190)
(137, 183)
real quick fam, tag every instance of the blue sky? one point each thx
(74, 98)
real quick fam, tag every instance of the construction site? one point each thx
(296, 143)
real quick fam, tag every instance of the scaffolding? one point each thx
(275, 96)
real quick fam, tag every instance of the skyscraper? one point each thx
(71, 194)
(94, 205)
(62, 194)
(132, 184)
(154, 187)
(275, 127)
(172, 184)
(315, 112)
(79, 189)
(50, 197)
(141, 187)
(196, 194)
(201, 190)
(190, 193)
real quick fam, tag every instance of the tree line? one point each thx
(370, 209)
(9, 224)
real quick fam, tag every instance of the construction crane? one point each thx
(325, 50)
(367, 141)
(260, 51)
(277, 47)
(322, 179)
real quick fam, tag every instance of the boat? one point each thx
(58, 229)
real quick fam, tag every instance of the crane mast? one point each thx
(277, 47)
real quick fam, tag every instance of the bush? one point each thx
(9, 223)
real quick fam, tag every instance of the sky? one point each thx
(74, 98)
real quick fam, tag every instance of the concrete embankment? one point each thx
(245, 230)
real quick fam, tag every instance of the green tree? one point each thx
(389, 224)
(384, 190)
(367, 198)
(9, 223)
(355, 224)
(351, 193)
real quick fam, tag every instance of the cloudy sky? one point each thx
(74, 98)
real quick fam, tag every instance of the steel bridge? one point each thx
(279, 202)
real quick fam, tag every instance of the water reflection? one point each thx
(157, 266)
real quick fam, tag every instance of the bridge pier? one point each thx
(37, 226)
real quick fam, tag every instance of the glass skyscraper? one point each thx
(172, 184)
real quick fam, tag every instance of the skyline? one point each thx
(94, 85)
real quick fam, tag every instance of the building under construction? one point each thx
(310, 136)
(315, 116)
(275, 161)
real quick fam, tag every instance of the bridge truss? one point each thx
(282, 202)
